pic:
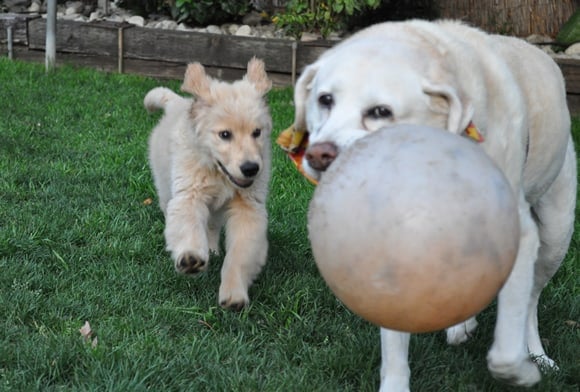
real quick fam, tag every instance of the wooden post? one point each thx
(9, 39)
(293, 71)
(50, 50)
(120, 49)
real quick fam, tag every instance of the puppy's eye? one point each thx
(225, 135)
(379, 112)
(326, 100)
(257, 132)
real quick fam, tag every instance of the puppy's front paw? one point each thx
(235, 299)
(190, 264)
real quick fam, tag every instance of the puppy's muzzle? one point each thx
(321, 155)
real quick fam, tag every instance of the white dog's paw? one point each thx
(461, 332)
(522, 373)
(189, 263)
(394, 384)
(234, 298)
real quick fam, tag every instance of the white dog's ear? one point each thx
(445, 98)
(196, 81)
(301, 92)
(257, 75)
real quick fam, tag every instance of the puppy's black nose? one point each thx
(249, 169)
(321, 155)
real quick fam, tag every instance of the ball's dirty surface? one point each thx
(413, 228)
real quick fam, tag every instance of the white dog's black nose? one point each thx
(321, 155)
(249, 169)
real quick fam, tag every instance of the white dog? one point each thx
(449, 75)
(210, 158)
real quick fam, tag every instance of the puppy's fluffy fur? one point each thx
(210, 158)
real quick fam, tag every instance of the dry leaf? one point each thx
(87, 335)
(94, 342)
(572, 323)
(205, 324)
(147, 201)
(86, 331)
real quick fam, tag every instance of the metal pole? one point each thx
(50, 50)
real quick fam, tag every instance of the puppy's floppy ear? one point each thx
(196, 81)
(445, 98)
(301, 93)
(256, 75)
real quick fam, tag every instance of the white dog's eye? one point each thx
(326, 100)
(225, 135)
(257, 132)
(379, 112)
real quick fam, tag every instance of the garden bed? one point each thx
(122, 47)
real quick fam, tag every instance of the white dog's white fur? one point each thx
(446, 74)
(210, 158)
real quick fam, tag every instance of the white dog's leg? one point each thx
(395, 372)
(461, 332)
(508, 359)
(186, 233)
(246, 251)
(555, 215)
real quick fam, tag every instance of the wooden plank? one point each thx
(176, 46)
(217, 50)
(19, 27)
(149, 68)
(571, 71)
(77, 37)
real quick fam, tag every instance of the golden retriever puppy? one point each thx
(210, 158)
(449, 75)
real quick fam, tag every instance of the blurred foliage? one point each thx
(326, 16)
(298, 16)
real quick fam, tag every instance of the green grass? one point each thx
(78, 243)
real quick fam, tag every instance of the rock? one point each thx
(114, 18)
(72, 16)
(546, 49)
(573, 50)
(232, 28)
(213, 29)
(136, 20)
(96, 15)
(538, 39)
(167, 25)
(306, 36)
(35, 7)
(183, 27)
(74, 7)
(244, 31)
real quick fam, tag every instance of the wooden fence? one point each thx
(117, 47)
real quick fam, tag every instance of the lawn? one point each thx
(80, 241)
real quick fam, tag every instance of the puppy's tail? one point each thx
(158, 98)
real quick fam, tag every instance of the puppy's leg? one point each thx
(555, 217)
(508, 359)
(246, 250)
(186, 233)
(395, 372)
(214, 227)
